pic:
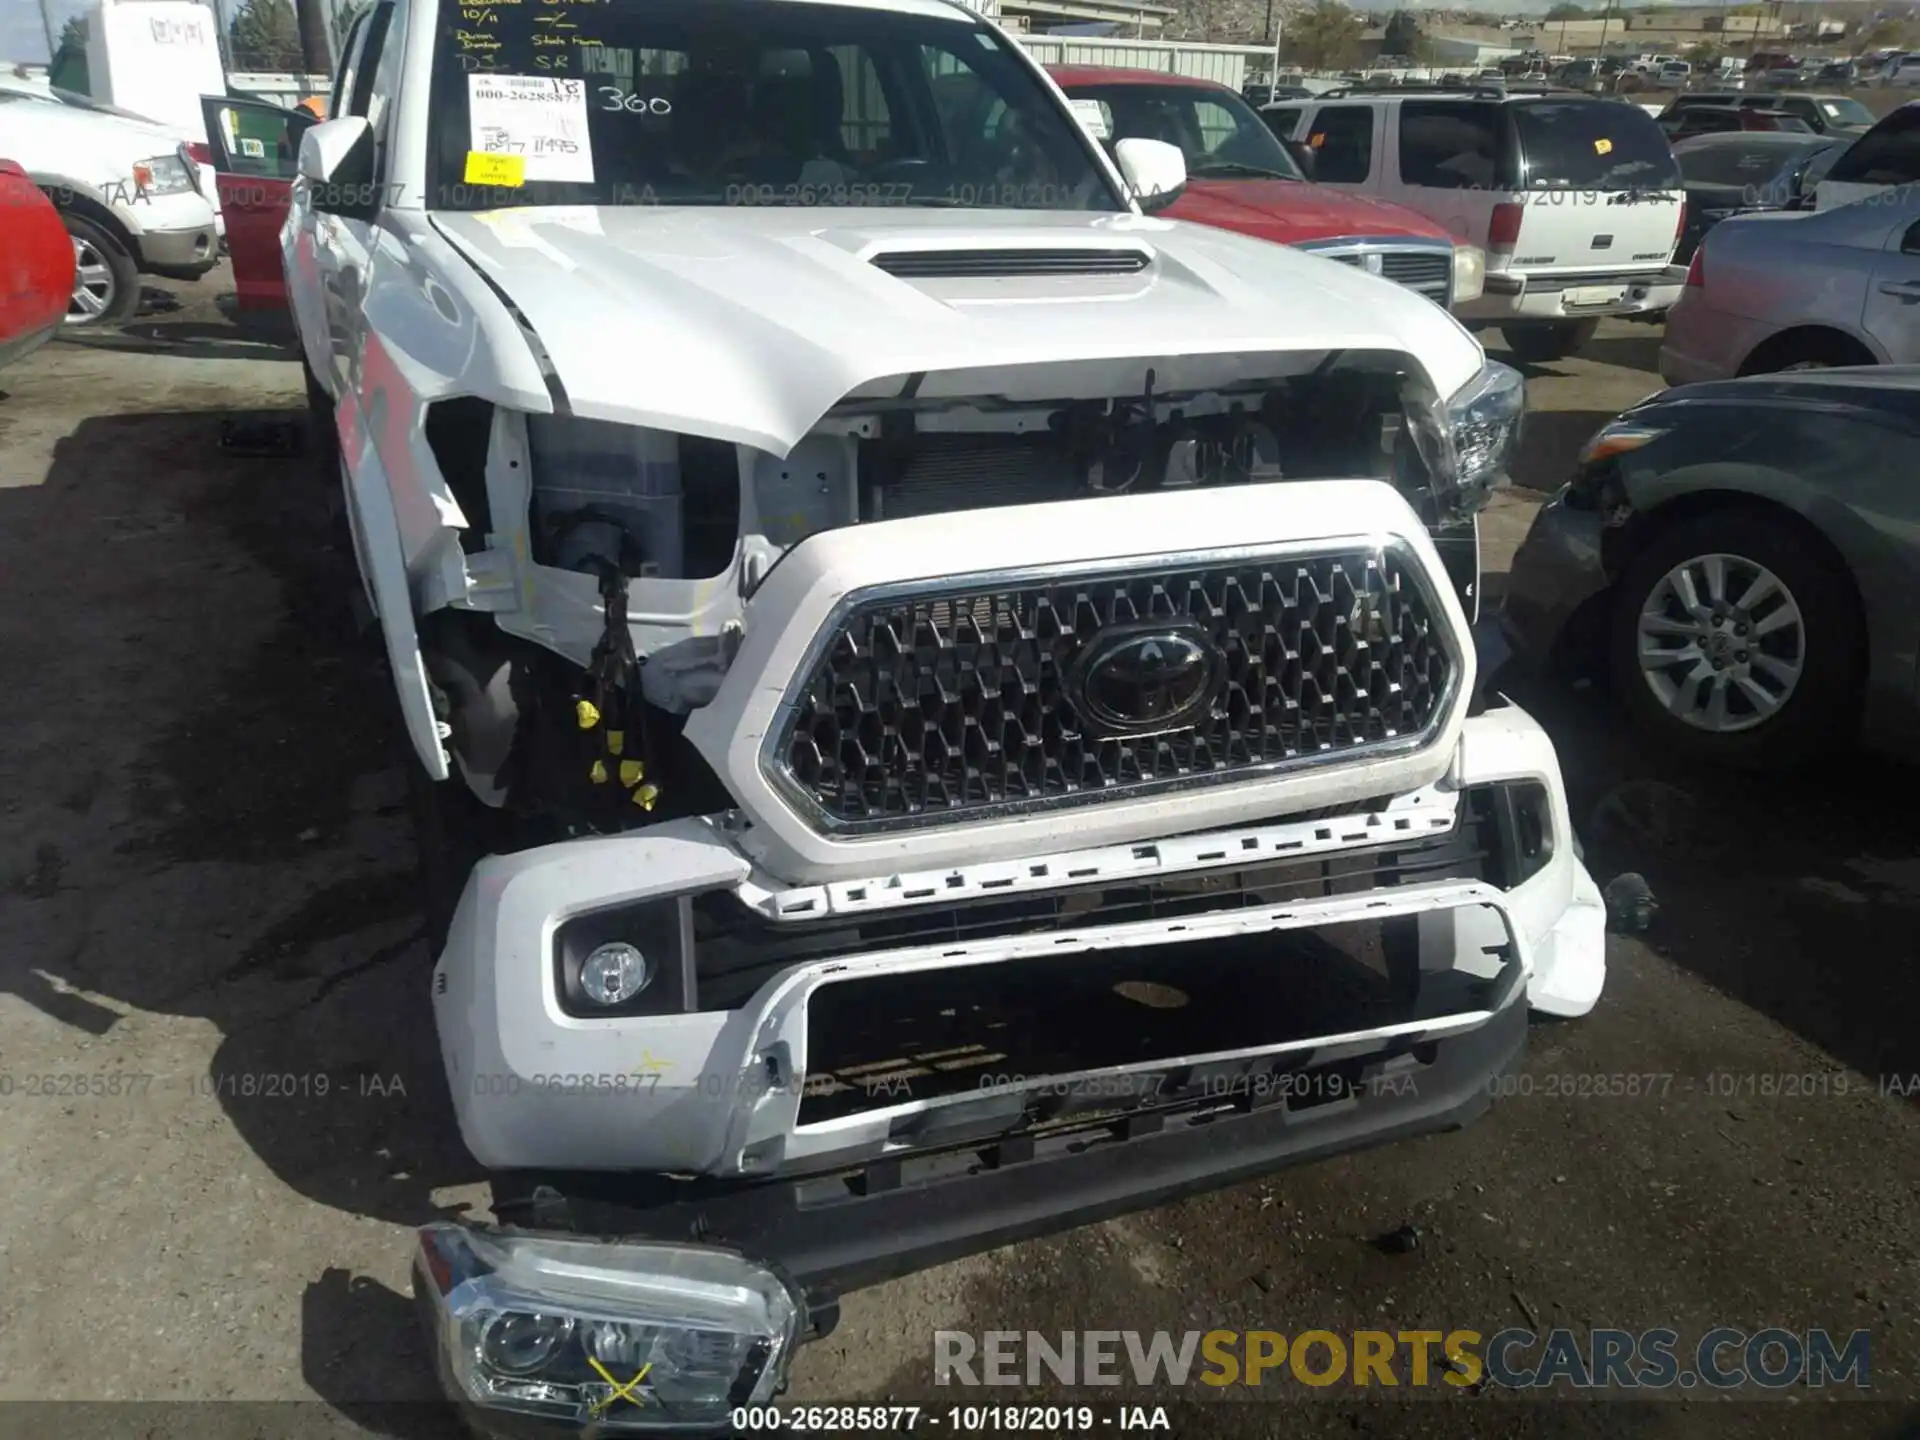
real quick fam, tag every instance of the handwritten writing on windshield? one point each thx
(614, 98)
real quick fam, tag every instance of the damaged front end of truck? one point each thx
(1002, 796)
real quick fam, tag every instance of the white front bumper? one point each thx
(718, 1092)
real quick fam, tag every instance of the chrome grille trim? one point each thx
(1390, 559)
(1425, 267)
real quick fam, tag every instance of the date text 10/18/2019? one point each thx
(956, 1419)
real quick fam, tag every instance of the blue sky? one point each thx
(21, 34)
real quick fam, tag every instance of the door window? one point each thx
(1888, 154)
(1282, 122)
(260, 139)
(391, 47)
(349, 72)
(1450, 145)
(1341, 138)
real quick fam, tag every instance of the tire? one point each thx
(1538, 344)
(106, 283)
(1813, 678)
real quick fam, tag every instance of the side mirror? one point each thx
(336, 162)
(1303, 155)
(1155, 171)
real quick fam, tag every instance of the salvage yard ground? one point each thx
(205, 890)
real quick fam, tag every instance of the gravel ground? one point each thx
(205, 890)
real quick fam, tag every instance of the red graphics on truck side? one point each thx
(36, 265)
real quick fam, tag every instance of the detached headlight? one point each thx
(1469, 273)
(162, 175)
(1468, 440)
(624, 1337)
(1485, 420)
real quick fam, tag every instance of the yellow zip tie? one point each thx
(587, 713)
(599, 772)
(616, 741)
(632, 772)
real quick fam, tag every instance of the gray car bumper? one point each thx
(1556, 570)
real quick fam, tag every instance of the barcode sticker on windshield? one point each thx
(541, 121)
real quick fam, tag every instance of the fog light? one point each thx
(626, 1337)
(613, 974)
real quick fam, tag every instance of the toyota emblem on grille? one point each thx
(1136, 680)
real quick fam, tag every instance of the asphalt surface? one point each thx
(206, 891)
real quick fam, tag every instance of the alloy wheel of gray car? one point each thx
(1722, 643)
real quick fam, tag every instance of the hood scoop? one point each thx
(1003, 264)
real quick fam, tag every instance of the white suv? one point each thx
(125, 189)
(969, 686)
(1577, 201)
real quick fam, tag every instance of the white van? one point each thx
(1577, 201)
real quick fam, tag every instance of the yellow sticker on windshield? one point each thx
(485, 169)
(1600, 147)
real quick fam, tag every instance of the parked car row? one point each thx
(1576, 201)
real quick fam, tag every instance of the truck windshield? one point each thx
(1218, 132)
(744, 102)
(1592, 145)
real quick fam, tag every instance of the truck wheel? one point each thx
(1538, 344)
(106, 283)
(1735, 638)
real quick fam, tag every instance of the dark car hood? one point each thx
(1892, 388)
(1292, 212)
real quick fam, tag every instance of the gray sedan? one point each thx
(1790, 290)
(1742, 561)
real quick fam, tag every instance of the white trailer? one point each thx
(156, 58)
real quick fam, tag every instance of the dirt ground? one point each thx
(207, 911)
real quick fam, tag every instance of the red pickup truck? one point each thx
(36, 265)
(1239, 177)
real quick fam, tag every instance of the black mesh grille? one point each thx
(998, 264)
(941, 706)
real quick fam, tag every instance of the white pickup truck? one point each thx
(126, 190)
(958, 695)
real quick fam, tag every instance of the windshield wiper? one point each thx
(1234, 167)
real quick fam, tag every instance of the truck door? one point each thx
(254, 146)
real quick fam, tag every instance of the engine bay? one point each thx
(646, 545)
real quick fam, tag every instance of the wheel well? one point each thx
(1692, 505)
(64, 199)
(1806, 342)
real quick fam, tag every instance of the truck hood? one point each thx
(749, 325)
(1290, 212)
(50, 139)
